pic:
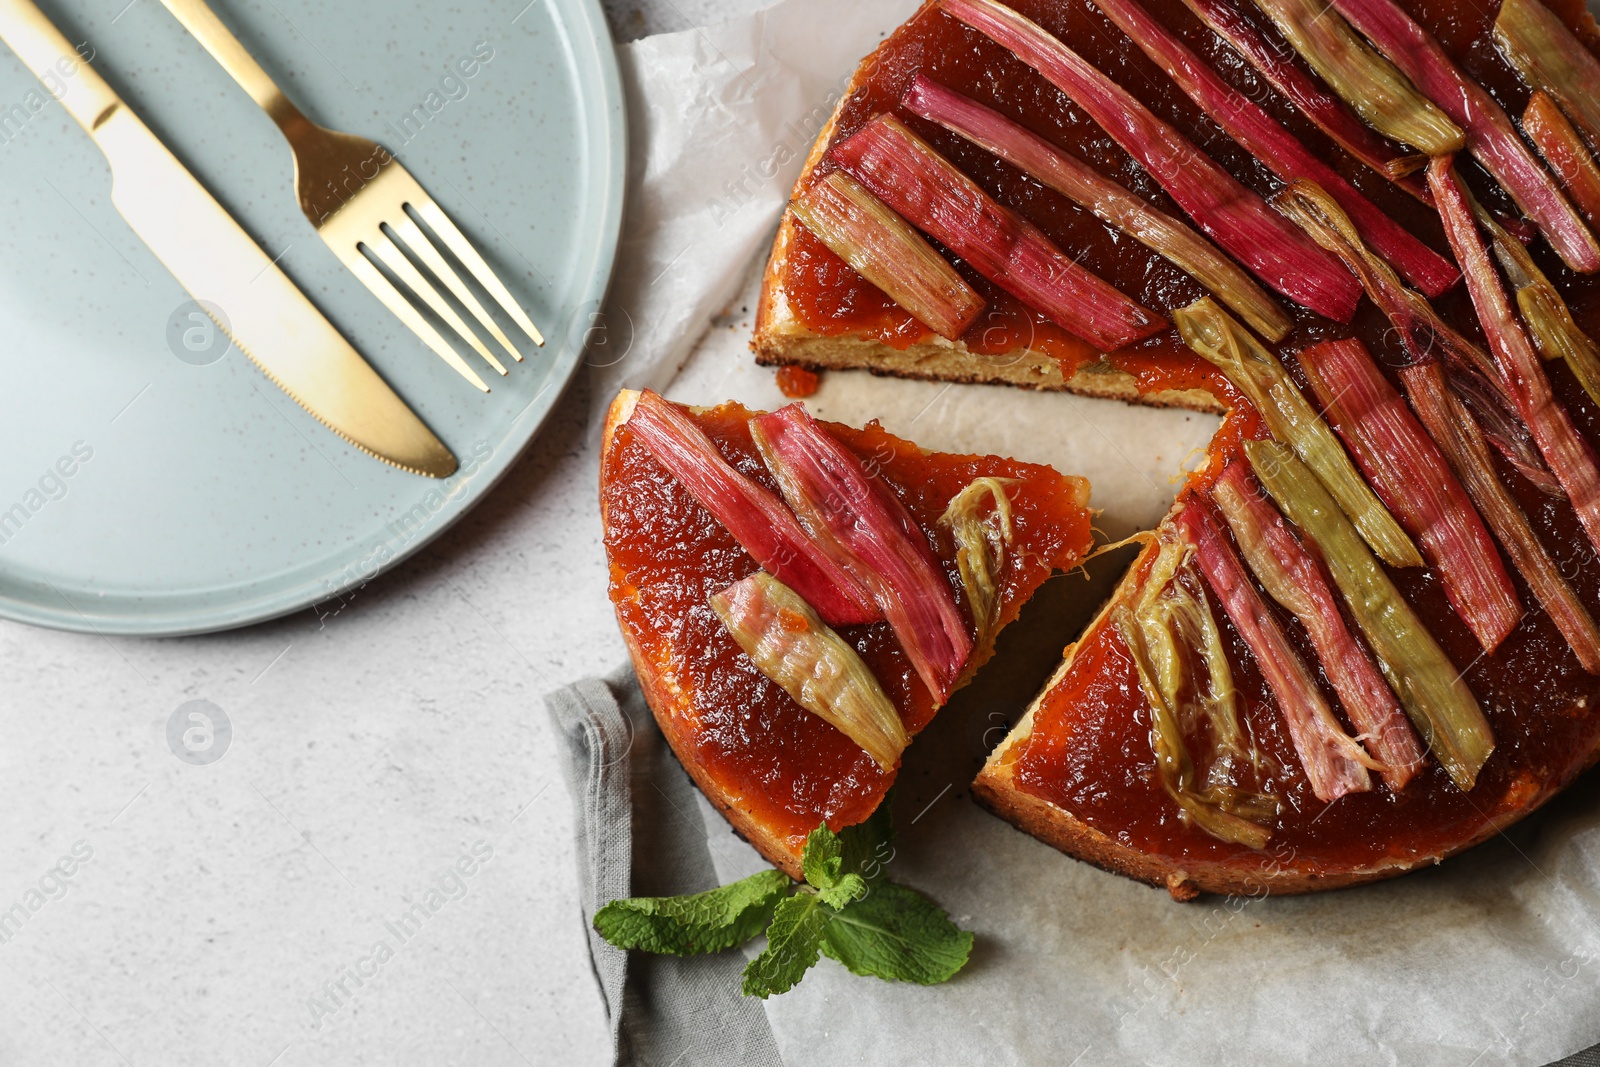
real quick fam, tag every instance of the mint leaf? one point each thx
(793, 941)
(865, 848)
(822, 862)
(694, 924)
(845, 891)
(897, 934)
(822, 859)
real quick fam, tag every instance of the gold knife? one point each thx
(269, 319)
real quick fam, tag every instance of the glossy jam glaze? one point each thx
(784, 766)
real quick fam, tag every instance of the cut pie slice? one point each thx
(681, 581)
(1190, 737)
(1152, 177)
(1082, 770)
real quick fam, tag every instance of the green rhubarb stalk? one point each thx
(982, 542)
(1555, 333)
(1184, 674)
(1429, 686)
(790, 644)
(884, 249)
(1557, 336)
(1360, 76)
(1256, 372)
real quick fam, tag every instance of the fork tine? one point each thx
(411, 235)
(396, 302)
(462, 249)
(387, 251)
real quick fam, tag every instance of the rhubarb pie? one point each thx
(1365, 636)
(799, 597)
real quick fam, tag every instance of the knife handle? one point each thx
(204, 25)
(56, 63)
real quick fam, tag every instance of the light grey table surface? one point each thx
(228, 914)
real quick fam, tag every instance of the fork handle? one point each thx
(203, 23)
(55, 62)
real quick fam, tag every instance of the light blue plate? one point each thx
(142, 494)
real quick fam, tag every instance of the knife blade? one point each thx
(268, 318)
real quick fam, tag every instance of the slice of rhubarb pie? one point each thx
(800, 597)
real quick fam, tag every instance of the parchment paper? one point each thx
(1491, 958)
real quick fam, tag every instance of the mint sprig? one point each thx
(846, 910)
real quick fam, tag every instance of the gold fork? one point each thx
(356, 194)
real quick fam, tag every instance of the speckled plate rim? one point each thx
(264, 598)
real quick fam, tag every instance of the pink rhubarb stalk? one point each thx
(1233, 216)
(754, 516)
(839, 501)
(1521, 376)
(1566, 153)
(885, 250)
(1293, 577)
(1109, 201)
(1331, 760)
(1330, 114)
(1463, 444)
(906, 173)
(1421, 331)
(1405, 467)
(1261, 135)
(1491, 137)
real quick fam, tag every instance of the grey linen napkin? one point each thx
(639, 834)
